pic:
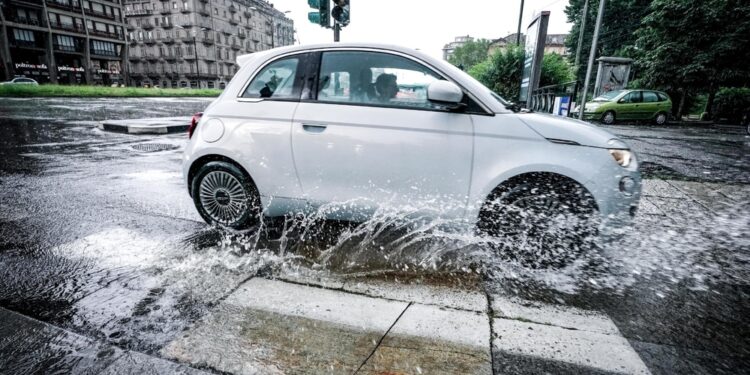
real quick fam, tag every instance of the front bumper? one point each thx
(617, 206)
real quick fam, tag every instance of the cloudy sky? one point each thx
(425, 24)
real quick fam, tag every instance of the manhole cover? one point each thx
(152, 147)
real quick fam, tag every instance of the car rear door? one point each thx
(351, 144)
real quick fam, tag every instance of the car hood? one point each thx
(567, 130)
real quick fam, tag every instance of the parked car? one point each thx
(304, 127)
(629, 105)
(20, 81)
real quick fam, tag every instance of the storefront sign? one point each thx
(69, 69)
(105, 71)
(30, 66)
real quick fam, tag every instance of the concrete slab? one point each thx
(660, 188)
(162, 125)
(429, 339)
(468, 297)
(610, 353)
(140, 364)
(269, 326)
(554, 315)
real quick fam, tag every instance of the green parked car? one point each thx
(629, 105)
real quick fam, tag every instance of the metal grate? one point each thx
(153, 147)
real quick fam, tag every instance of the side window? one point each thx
(633, 97)
(275, 81)
(662, 97)
(650, 97)
(374, 78)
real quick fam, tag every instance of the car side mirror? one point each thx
(446, 93)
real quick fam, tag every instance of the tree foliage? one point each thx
(502, 71)
(470, 54)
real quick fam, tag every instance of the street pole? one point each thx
(197, 73)
(592, 54)
(584, 15)
(336, 31)
(520, 19)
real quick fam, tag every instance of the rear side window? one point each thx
(650, 97)
(276, 81)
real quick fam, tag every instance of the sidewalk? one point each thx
(161, 125)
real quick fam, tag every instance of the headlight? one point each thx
(622, 157)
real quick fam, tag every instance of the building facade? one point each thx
(195, 43)
(555, 43)
(63, 41)
(459, 41)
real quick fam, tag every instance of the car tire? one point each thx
(225, 196)
(661, 118)
(608, 118)
(540, 223)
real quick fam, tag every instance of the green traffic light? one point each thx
(314, 3)
(314, 17)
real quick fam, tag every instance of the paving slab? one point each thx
(269, 326)
(159, 125)
(429, 339)
(469, 297)
(134, 363)
(554, 315)
(603, 352)
(660, 188)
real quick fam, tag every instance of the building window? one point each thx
(103, 48)
(185, 5)
(174, 5)
(23, 35)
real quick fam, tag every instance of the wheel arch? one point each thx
(519, 178)
(205, 159)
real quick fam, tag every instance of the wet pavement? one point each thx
(105, 267)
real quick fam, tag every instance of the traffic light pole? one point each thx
(336, 31)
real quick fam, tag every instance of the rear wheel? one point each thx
(608, 118)
(540, 222)
(225, 196)
(661, 118)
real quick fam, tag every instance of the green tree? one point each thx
(502, 71)
(621, 20)
(687, 47)
(470, 54)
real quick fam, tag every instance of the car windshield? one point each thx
(608, 96)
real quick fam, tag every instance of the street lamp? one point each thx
(195, 49)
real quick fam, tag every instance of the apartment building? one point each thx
(63, 41)
(195, 43)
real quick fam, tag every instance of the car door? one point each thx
(650, 105)
(371, 138)
(260, 120)
(629, 106)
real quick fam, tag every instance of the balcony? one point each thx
(64, 5)
(236, 46)
(102, 52)
(205, 24)
(91, 12)
(138, 12)
(149, 41)
(234, 21)
(167, 25)
(165, 11)
(186, 10)
(170, 57)
(241, 35)
(232, 9)
(105, 34)
(129, 26)
(147, 25)
(150, 56)
(67, 26)
(187, 39)
(248, 14)
(167, 40)
(133, 42)
(203, 11)
(186, 23)
(207, 41)
(153, 73)
(63, 48)
(27, 21)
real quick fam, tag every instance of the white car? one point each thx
(20, 81)
(363, 126)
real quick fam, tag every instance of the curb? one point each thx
(164, 125)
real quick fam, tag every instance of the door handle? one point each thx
(314, 128)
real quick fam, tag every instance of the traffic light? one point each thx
(322, 15)
(340, 12)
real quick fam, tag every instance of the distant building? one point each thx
(63, 41)
(166, 37)
(555, 43)
(449, 48)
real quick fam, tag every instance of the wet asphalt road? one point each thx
(101, 239)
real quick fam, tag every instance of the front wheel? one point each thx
(540, 223)
(225, 196)
(608, 118)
